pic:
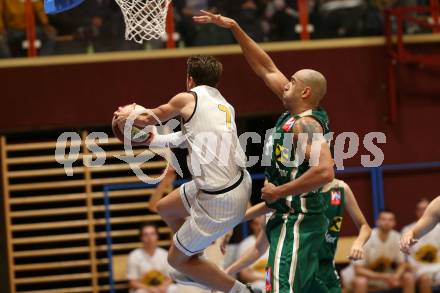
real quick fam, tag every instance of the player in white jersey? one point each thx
(215, 155)
(215, 201)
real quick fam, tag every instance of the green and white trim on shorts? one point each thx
(294, 241)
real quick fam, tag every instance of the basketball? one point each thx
(137, 135)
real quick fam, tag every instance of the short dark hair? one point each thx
(205, 70)
(422, 200)
(148, 224)
(386, 211)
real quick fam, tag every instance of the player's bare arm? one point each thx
(357, 249)
(426, 223)
(259, 60)
(165, 185)
(252, 255)
(249, 275)
(321, 171)
(225, 241)
(181, 104)
(429, 220)
(256, 211)
(170, 140)
(251, 213)
(401, 269)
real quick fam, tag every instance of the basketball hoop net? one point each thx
(144, 19)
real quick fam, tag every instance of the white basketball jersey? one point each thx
(215, 155)
(427, 249)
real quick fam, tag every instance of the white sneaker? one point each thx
(183, 279)
(253, 290)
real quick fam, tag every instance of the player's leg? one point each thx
(360, 284)
(184, 255)
(277, 279)
(328, 275)
(200, 270)
(334, 286)
(310, 229)
(176, 206)
(408, 282)
(293, 261)
(211, 217)
(425, 283)
(164, 184)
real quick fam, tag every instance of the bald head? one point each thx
(316, 81)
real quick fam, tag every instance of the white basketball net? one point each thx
(144, 19)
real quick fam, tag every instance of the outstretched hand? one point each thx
(407, 241)
(225, 242)
(123, 112)
(356, 252)
(217, 19)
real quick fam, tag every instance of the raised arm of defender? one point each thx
(259, 60)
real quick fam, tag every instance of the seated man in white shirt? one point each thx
(424, 256)
(383, 266)
(147, 267)
(255, 274)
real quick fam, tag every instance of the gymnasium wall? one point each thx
(84, 91)
(4, 282)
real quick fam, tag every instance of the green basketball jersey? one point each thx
(335, 199)
(285, 166)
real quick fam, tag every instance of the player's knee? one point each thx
(408, 278)
(161, 208)
(175, 262)
(360, 282)
(425, 279)
(174, 259)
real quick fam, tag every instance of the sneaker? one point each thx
(183, 279)
(253, 290)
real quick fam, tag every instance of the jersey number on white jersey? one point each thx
(225, 109)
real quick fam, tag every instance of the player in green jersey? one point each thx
(301, 163)
(339, 197)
